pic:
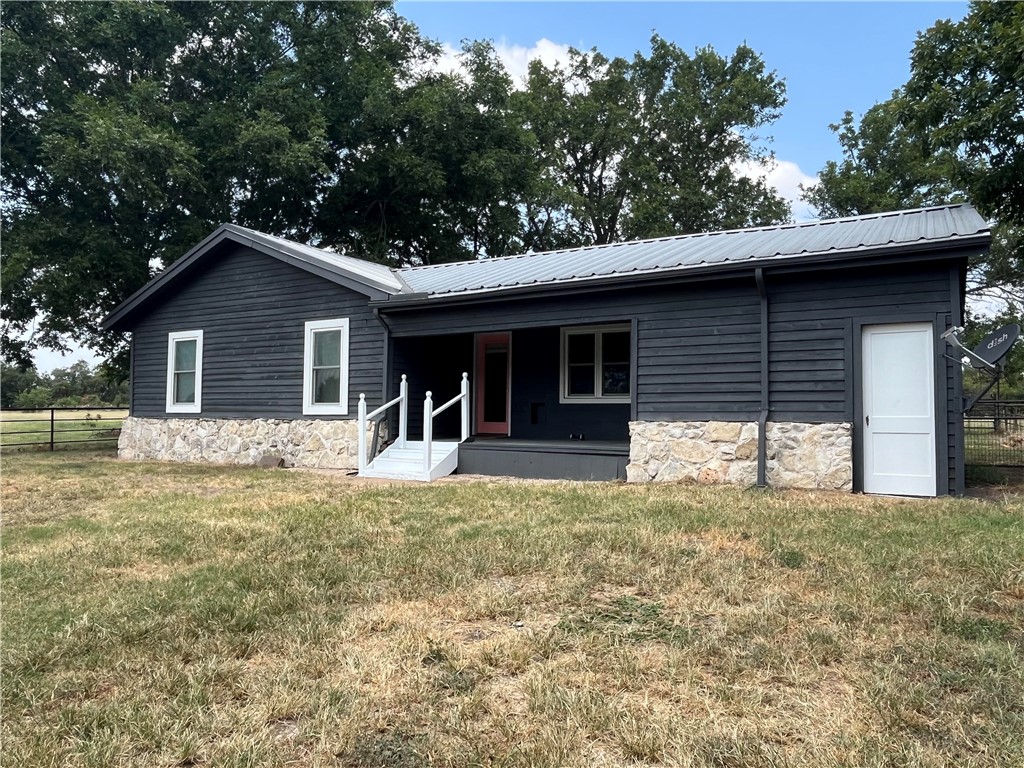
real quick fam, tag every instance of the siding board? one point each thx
(253, 309)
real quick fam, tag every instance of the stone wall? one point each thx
(798, 455)
(300, 442)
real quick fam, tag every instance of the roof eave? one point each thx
(117, 317)
(796, 262)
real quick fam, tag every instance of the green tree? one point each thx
(130, 130)
(951, 134)
(14, 381)
(965, 96)
(37, 397)
(649, 146)
(451, 161)
(885, 166)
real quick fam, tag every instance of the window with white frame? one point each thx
(325, 372)
(595, 364)
(185, 372)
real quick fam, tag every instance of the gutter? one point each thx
(762, 421)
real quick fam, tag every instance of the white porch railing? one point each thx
(403, 419)
(429, 412)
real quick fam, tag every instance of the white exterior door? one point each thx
(899, 409)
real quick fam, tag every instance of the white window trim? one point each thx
(172, 339)
(322, 409)
(563, 366)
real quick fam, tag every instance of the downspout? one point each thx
(762, 421)
(386, 383)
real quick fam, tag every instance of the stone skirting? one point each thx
(300, 442)
(798, 455)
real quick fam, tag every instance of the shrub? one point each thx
(37, 397)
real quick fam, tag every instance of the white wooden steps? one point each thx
(405, 459)
(408, 463)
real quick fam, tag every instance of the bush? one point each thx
(37, 397)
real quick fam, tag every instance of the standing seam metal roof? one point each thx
(834, 236)
(941, 224)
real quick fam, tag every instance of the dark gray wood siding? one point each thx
(810, 326)
(437, 363)
(252, 310)
(698, 345)
(697, 348)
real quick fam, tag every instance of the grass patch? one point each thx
(179, 615)
(72, 429)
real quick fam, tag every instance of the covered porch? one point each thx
(547, 402)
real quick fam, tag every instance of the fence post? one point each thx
(51, 429)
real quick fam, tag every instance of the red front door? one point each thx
(491, 383)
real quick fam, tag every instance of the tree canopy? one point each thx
(649, 146)
(131, 130)
(951, 134)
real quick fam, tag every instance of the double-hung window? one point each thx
(595, 364)
(185, 372)
(325, 373)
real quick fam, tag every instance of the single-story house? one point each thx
(799, 355)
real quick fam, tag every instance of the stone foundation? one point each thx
(300, 442)
(798, 455)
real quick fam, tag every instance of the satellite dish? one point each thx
(995, 346)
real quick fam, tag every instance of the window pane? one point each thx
(581, 379)
(185, 355)
(185, 387)
(327, 385)
(326, 348)
(495, 384)
(615, 379)
(581, 348)
(615, 347)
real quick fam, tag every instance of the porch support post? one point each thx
(428, 432)
(403, 412)
(362, 432)
(465, 407)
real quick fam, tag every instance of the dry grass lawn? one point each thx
(169, 615)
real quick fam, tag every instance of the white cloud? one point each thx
(516, 58)
(786, 177)
(47, 359)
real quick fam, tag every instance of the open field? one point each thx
(34, 427)
(170, 615)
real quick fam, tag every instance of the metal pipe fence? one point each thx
(61, 427)
(994, 434)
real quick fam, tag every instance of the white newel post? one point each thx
(403, 411)
(362, 432)
(428, 432)
(465, 406)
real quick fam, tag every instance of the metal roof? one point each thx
(857, 234)
(376, 275)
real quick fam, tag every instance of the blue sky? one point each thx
(833, 56)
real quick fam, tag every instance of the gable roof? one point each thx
(873, 234)
(373, 280)
(863, 235)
